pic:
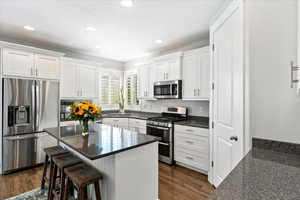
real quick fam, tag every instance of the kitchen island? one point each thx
(128, 160)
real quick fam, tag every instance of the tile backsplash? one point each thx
(195, 108)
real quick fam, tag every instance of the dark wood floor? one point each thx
(175, 183)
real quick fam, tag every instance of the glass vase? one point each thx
(85, 127)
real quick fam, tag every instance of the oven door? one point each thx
(165, 141)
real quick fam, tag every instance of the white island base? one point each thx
(128, 175)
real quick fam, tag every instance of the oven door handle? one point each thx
(158, 127)
(165, 144)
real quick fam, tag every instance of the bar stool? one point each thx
(50, 152)
(60, 163)
(81, 176)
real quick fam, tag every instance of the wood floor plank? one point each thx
(175, 183)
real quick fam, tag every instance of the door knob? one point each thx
(235, 138)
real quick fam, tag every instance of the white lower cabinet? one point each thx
(191, 147)
(136, 125)
(44, 141)
(116, 122)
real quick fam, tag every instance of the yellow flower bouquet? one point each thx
(84, 112)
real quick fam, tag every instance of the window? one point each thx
(132, 89)
(110, 85)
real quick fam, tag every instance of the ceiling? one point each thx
(121, 33)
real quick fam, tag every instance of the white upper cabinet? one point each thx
(47, 66)
(78, 80)
(68, 83)
(146, 80)
(196, 74)
(27, 64)
(168, 67)
(18, 63)
(87, 81)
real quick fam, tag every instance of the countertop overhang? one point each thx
(103, 140)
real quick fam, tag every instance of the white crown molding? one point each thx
(20, 47)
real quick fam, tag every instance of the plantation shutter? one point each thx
(132, 88)
(104, 90)
(109, 90)
(115, 84)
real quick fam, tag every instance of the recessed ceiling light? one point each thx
(158, 41)
(29, 28)
(126, 3)
(98, 47)
(90, 28)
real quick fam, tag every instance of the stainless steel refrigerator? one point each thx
(29, 106)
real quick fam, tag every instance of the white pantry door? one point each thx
(228, 93)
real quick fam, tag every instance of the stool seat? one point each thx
(82, 175)
(66, 160)
(56, 150)
(50, 153)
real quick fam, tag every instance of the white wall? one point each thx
(274, 106)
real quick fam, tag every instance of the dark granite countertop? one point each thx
(199, 122)
(131, 114)
(102, 141)
(263, 174)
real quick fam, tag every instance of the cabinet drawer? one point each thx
(115, 120)
(137, 123)
(197, 145)
(196, 161)
(188, 130)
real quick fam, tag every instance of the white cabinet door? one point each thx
(173, 71)
(44, 141)
(196, 74)
(87, 81)
(68, 81)
(203, 91)
(168, 69)
(151, 80)
(161, 69)
(47, 66)
(190, 76)
(18, 63)
(143, 81)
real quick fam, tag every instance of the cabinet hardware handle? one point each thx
(189, 130)
(235, 138)
(194, 92)
(198, 91)
(190, 158)
(294, 68)
(189, 142)
(36, 72)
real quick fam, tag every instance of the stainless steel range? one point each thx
(163, 128)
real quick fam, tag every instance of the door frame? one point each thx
(227, 12)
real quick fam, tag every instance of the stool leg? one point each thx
(81, 194)
(66, 192)
(50, 179)
(44, 172)
(62, 185)
(97, 190)
(53, 178)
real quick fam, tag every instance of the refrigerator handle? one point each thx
(37, 105)
(33, 106)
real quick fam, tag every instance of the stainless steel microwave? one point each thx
(168, 89)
